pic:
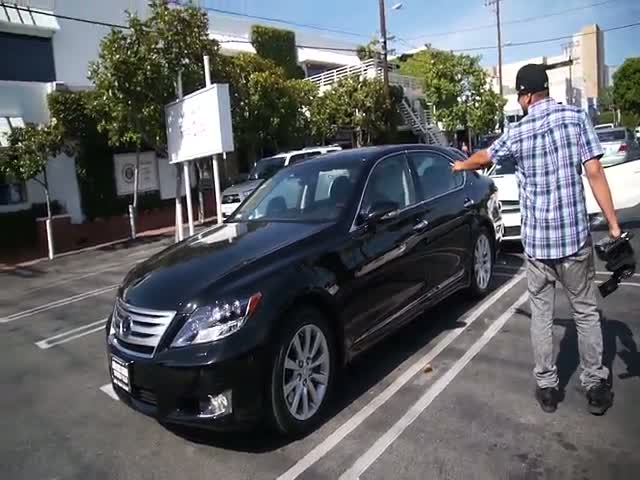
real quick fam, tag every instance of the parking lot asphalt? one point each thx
(448, 396)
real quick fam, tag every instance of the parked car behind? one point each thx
(264, 169)
(253, 318)
(619, 144)
(504, 177)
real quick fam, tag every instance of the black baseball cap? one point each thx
(532, 78)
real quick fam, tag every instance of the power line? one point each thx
(547, 40)
(510, 22)
(283, 21)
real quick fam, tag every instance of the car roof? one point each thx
(372, 154)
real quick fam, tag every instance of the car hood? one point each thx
(507, 187)
(249, 185)
(179, 273)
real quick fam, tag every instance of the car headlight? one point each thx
(213, 322)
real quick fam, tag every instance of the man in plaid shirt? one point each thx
(551, 146)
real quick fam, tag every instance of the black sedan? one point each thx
(252, 319)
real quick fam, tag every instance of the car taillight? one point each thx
(623, 148)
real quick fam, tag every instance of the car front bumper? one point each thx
(175, 392)
(511, 222)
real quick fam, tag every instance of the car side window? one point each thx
(434, 174)
(390, 181)
(297, 157)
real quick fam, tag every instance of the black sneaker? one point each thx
(600, 398)
(547, 398)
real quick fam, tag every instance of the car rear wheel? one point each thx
(303, 373)
(482, 263)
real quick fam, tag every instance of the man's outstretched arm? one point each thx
(602, 193)
(477, 161)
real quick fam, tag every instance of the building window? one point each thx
(12, 191)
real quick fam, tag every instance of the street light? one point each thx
(383, 34)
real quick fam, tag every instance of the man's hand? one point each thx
(615, 232)
(458, 166)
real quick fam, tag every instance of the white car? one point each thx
(233, 196)
(619, 145)
(623, 179)
(504, 177)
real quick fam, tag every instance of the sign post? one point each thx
(179, 232)
(214, 159)
(199, 125)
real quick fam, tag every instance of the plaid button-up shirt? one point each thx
(549, 147)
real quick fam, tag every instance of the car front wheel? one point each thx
(303, 373)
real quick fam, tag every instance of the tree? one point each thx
(458, 87)
(270, 112)
(356, 104)
(136, 72)
(626, 87)
(28, 153)
(279, 46)
(369, 51)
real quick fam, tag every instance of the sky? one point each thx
(461, 24)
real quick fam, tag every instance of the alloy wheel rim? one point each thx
(306, 372)
(482, 266)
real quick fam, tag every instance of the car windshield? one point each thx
(506, 167)
(266, 168)
(307, 192)
(611, 135)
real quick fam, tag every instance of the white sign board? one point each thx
(199, 125)
(125, 167)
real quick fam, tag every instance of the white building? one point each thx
(579, 81)
(40, 52)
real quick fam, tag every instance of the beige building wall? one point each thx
(592, 60)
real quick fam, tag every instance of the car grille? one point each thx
(510, 206)
(140, 328)
(234, 198)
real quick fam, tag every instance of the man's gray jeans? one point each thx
(576, 274)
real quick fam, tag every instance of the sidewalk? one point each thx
(11, 259)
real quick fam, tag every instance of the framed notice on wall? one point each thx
(124, 172)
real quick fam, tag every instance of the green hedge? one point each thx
(278, 46)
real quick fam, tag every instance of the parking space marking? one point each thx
(106, 268)
(515, 269)
(72, 334)
(351, 424)
(108, 389)
(58, 303)
(379, 447)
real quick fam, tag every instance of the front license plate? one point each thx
(120, 373)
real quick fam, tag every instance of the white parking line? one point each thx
(106, 268)
(72, 334)
(108, 389)
(379, 447)
(351, 424)
(516, 269)
(58, 303)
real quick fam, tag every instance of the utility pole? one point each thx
(489, 3)
(383, 33)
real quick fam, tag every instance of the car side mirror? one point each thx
(379, 212)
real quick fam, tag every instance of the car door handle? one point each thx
(468, 203)
(421, 226)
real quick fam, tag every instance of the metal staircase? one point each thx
(416, 118)
(421, 124)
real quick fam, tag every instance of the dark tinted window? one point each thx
(26, 59)
(611, 135)
(506, 167)
(434, 174)
(390, 181)
(266, 168)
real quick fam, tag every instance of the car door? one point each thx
(387, 279)
(446, 211)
